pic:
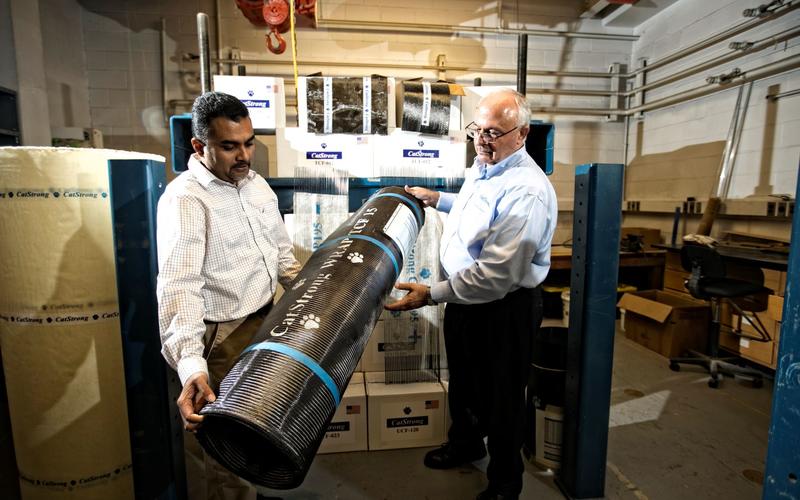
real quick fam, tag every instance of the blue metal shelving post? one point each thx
(782, 475)
(155, 426)
(590, 344)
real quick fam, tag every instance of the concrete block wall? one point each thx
(675, 152)
(123, 64)
(122, 45)
(578, 139)
(8, 58)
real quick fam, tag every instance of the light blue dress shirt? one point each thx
(498, 231)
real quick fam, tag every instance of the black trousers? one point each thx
(489, 356)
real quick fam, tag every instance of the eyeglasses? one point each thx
(489, 136)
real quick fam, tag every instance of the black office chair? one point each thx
(711, 281)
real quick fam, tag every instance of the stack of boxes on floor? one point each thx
(671, 321)
(351, 127)
(764, 353)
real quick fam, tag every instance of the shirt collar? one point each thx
(205, 177)
(486, 171)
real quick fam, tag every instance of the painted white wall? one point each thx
(123, 61)
(8, 57)
(34, 114)
(65, 63)
(675, 152)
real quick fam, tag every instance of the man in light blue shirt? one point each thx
(495, 252)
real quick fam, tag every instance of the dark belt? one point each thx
(263, 311)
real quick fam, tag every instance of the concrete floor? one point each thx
(670, 437)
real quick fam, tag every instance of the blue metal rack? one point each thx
(590, 342)
(360, 189)
(782, 475)
(151, 386)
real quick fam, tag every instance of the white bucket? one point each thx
(565, 302)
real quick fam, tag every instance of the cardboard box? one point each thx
(346, 153)
(348, 428)
(674, 280)
(665, 323)
(727, 340)
(775, 281)
(775, 307)
(673, 261)
(649, 235)
(764, 353)
(262, 95)
(448, 420)
(402, 345)
(761, 352)
(410, 154)
(404, 415)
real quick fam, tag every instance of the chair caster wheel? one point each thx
(674, 366)
(758, 383)
(713, 383)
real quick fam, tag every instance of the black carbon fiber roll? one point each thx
(426, 107)
(274, 405)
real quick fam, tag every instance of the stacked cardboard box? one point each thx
(664, 322)
(348, 428)
(764, 353)
(404, 415)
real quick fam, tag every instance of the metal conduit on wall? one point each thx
(714, 39)
(447, 29)
(784, 66)
(716, 61)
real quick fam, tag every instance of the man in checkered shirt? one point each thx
(222, 250)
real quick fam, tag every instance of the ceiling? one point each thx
(624, 13)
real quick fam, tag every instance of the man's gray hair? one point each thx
(523, 110)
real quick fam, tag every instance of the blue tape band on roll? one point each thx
(303, 359)
(414, 206)
(372, 240)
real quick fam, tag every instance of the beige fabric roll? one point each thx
(59, 323)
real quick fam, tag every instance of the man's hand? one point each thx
(194, 396)
(426, 196)
(418, 295)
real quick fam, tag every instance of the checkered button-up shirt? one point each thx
(222, 249)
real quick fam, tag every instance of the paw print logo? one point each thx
(323, 145)
(299, 284)
(311, 322)
(407, 410)
(421, 143)
(425, 273)
(355, 258)
(251, 93)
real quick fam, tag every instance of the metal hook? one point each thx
(280, 44)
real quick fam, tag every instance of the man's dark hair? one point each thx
(213, 105)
